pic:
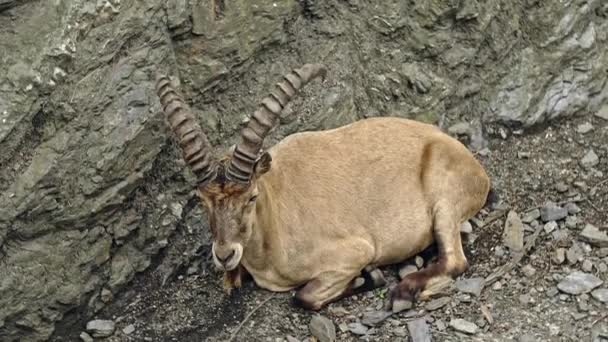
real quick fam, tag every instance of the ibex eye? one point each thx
(253, 198)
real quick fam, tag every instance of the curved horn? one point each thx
(263, 119)
(192, 141)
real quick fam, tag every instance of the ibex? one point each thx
(318, 209)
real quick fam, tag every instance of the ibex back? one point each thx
(319, 208)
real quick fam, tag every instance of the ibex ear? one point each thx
(262, 165)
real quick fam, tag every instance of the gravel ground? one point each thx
(553, 293)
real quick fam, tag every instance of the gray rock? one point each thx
(438, 303)
(400, 305)
(590, 159)
(587, 265)
(602, 267)
(466, 227)
(602, 113)
(531, 216)
(419, 261)
(552, 212)
(371, 318)
(419, 330)
(357, 328)
(528, 271)
(513, 235)
(578, 282)
(561, 187)
(584, 128)
(527, 338)
(574, 254)
(84, 337)
(571, 222)
(101, 328)
(600, 295)
(550, 226)
(407, 269)
(594, 236)
(129, 329)
(290, 338)
(572, 208)
(461, 128)
(472, 286)
(464, 326)
(322, 328)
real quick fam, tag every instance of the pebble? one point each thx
(561, 187)
(603, 252)
(464, 326)
(590, 159)
(602, 113)
(552, 212)
(358, 328)
(578, 282)
(419, 330)
(550, 226)
(472, 285)
(129, 329)
(513, 235)
(419, 261)
(571, 222)
(602, 267)
(437, 303)
(466, 227)
(441, 326)
(401, 305)
(572, 208)
(407, 269)
(531, 216)
(400, 331)
(527, 338)
(372, 318)
(594, 236)
(460, 128)
(322, 328)
(101, 328)
(584, 128)
(587, 265)
(85, 337)
(574, 254)
(528, 271)
(600, 295)
(560, 235)
(290, 338)
(552, 292)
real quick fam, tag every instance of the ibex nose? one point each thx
(225, 257)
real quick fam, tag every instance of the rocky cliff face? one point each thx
(92, 187)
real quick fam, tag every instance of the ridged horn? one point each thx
(190, 137)
(263, 119)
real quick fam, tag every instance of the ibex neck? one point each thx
(265, 239)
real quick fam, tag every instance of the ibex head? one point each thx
(228, 187)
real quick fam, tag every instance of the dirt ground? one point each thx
(526, 169)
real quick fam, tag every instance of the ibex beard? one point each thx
(320, 209)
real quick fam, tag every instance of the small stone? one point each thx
(602, 268)
(419, 330)
(290, 338)
(526, 338)
(357, 328)
(372, 318)
(602, 113)
(322, 328)
(578, 282)
(583, 306)
(587, 265)
(552, 292)
(528, 271)
(531, 216)
(572, 208)
(600, 295)
(400, 305)
(407, 269)
(464, 326)
(560, 235)
(106, 295)
(466, 227)
(499, 251)
(524, 299)
(101, 328)
(523, 155)
(561, 187)
(552, 212)
(497, 286)
(574, 254)
(129, 329)
(437, 303)
(590, 160)
(571, 222)
(584, 128)
(550, 226)
(399, 331)
(471, 285)
(513, 235)
(419, 261)
(85, 337)
(461, 128)
(594, 236)
(441, 326)
(603, 252)
(559, 256)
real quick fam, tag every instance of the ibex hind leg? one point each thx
(450, 263)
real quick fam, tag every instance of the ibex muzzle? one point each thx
(319, 208)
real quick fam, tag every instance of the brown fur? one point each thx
(324, 205)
